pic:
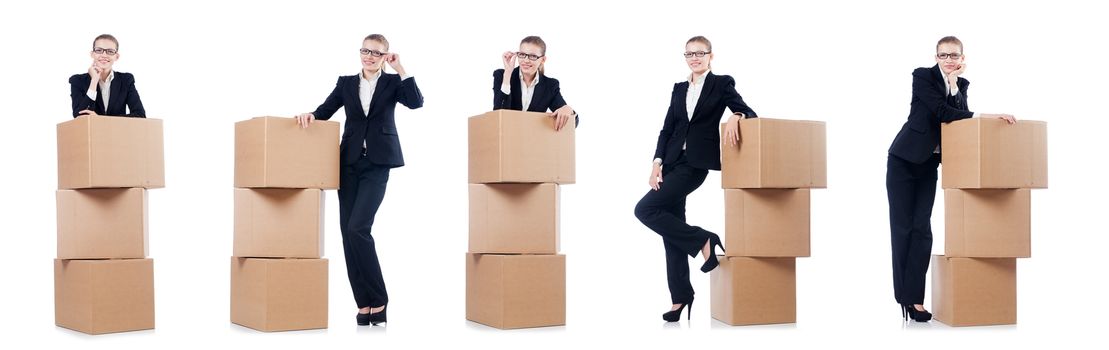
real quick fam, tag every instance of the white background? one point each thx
(201, 67)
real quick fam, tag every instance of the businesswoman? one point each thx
(939, 96)
(525, 88)
(688, 147)
(103, 91)
(370, 147)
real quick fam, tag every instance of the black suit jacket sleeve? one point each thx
(78, 93)
(500, 99)
(934, 100)
(332, 103)
(409, 94)
(733, 100)
(558, 102)
(667, 127)
(134, 104)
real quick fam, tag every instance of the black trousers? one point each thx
(663, 211)
(361, 190)
(911, 189)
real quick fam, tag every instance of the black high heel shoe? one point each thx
(711, 262)
(675, 315)
(377, 317)
(910, 311)
(370, 318)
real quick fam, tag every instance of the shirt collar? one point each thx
(700, 79)
(111, 76)
(372, 79)
(534, 82)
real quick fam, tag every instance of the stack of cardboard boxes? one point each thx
(766, 182)
(103, 280)
(515, 277)
(988, 168)
(278, 274)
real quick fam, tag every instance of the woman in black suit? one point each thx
(525, 88)
(688, 147)
(939, 96)
(111, 93)
(369, 149)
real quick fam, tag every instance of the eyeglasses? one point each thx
(698, 54)
(523, 55)
(103, 51)
(375, 53)
(944, 56)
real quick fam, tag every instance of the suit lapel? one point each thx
(353, 92)
(705, 89)
(682, 101)
(516, 96)
(381, 81)
(536, 95)
(116, 95)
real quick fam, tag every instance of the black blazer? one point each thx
(547, 95)
(379, 130)
(123, 96)
(701, 133)
(930, 106)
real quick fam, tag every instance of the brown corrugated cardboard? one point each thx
(974, 291)
(990, 153)
(110, 152)
(102, 223)
(749, 291)
(278, 223)
(514, 218)
(104, 296)
(275, 152)
(279, 294)
(776, 153)
(766, 222)
(516, 291)
(513, 146)
(988, 223)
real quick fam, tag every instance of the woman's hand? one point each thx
(394, 61)
(87, 112)
(562, 115)
(1009, 118)
(509, 59)
(731, 130)
(656, 176)
(304, 119)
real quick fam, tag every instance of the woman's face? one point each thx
(104, 54)
(952, 57)
(699, 65)
(527, 65)
(373, 55)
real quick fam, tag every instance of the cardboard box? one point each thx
(990, 153)
(513, 146)
(278, 223)
(775, 153)
(514, 218)
(104, 223)
(110, 152)
(750, 291)
(275, 152)
(104, 296)
(974, 291)
(766, 222)
(988, 223)
(516, 291)
(279, 294)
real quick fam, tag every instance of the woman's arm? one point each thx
(934, 100)
(78, 94)
(500, 99)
